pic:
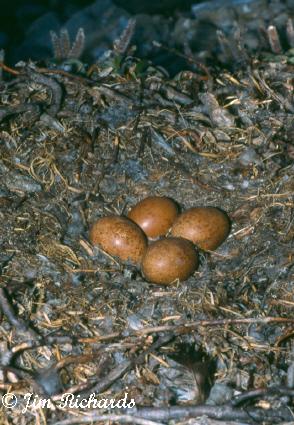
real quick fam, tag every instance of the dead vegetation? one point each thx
(77, 146)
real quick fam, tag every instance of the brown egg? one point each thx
(206, 227)
(120, 237)
(169, 259)
(155, 215)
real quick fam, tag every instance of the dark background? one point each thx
(185, 26)
(25, 24)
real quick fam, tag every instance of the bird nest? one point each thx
(85, 338)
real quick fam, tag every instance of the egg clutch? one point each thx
(159, 239)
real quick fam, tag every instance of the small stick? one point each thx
(226, 412)
(123, 419)
(8, 69)
(261, 393)
(186, 327)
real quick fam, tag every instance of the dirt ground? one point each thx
(78, 146)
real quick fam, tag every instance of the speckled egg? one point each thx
(207, 227)
(120, 237)
(169, 259)
(155, 215)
